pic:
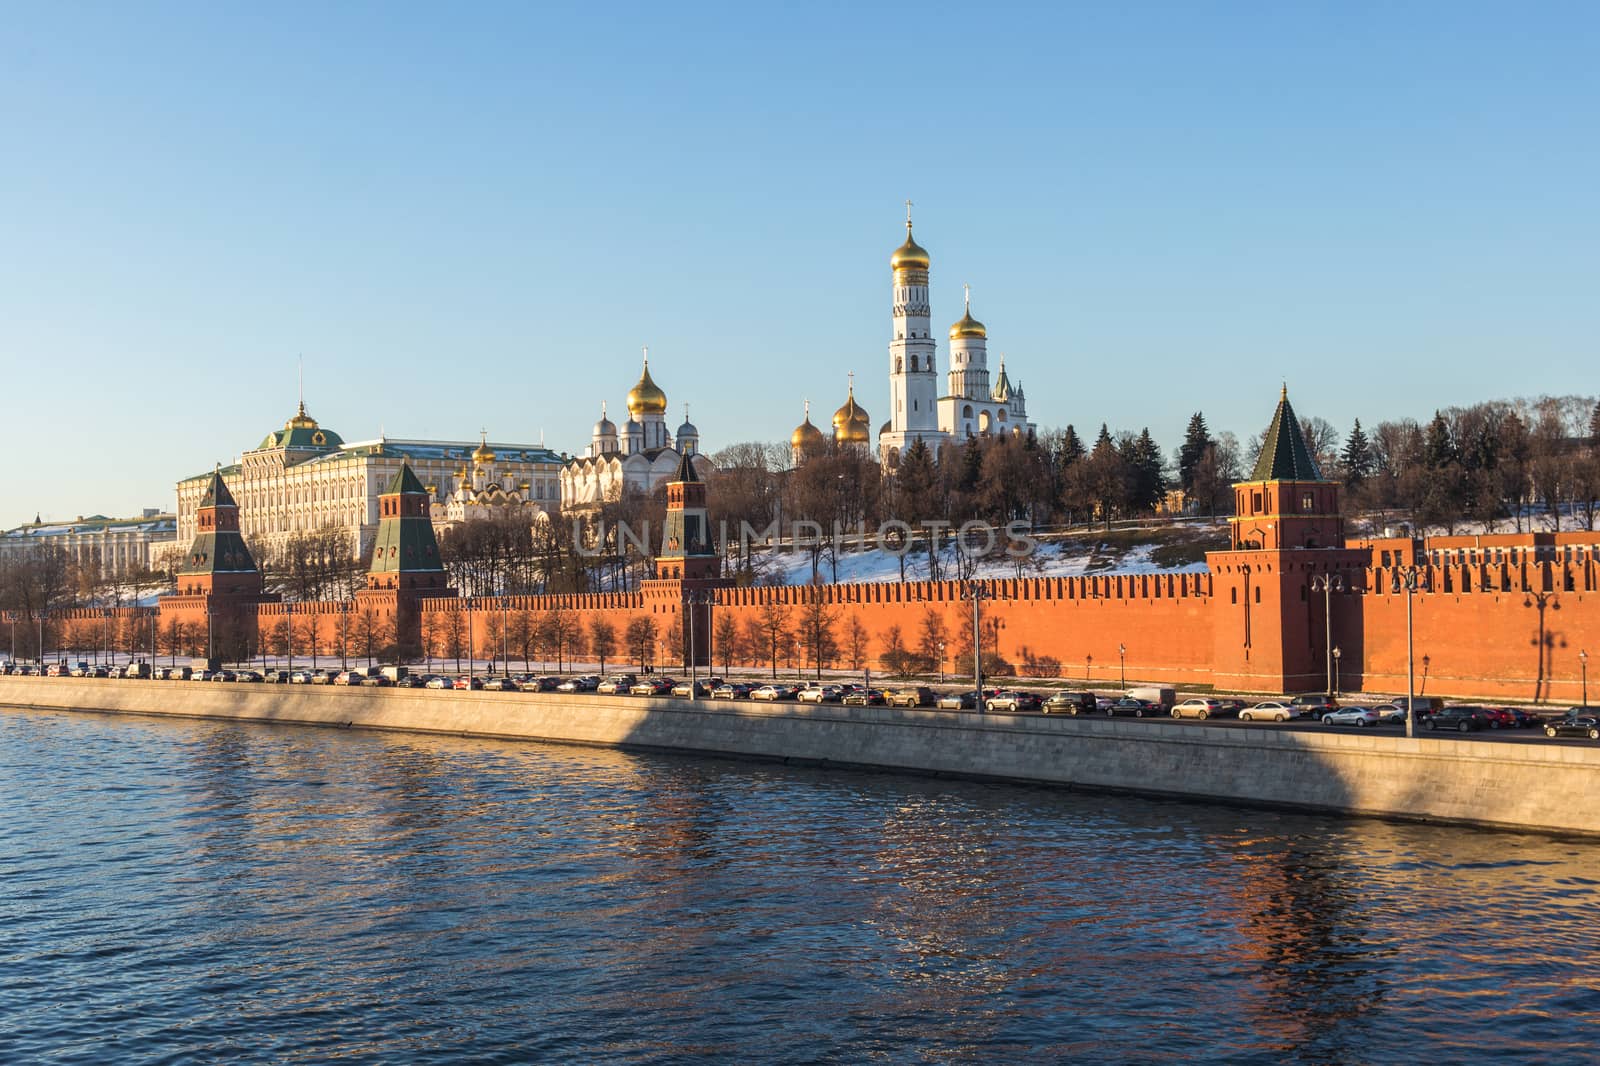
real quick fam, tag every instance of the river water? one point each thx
(179, 892)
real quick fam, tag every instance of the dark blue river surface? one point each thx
(193, 892)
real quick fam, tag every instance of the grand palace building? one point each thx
(304, 478)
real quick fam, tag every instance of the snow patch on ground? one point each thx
(1074, 559)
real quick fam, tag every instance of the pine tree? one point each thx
(1439, 448)
(1150, 482)
(1594, 425)
(1071, 448)
(1196, 439)
(1357, 457)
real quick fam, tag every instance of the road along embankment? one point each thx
(1479, 782)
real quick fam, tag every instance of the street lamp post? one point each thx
(40, 648)
(1410, 579)
(1336, 654)
(344, 635)
(288, 610)
(941, 662)
(105, 633)
(153, 614)
(1122, 653)
(1087, 661)
(471, 650)
(1327, 584)
(505, 633)
(1583, 663)
(977, 594)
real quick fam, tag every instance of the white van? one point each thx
(1157, 694)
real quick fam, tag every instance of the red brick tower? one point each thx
(219, 583)
(405, 562)
(1287, 529)
(687, 567)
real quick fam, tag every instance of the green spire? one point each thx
(1284, 455)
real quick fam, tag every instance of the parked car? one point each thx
(1389, 714)
(226, 676)
(652, 686)
(616, 684)
(731, 690)
(1202, 707)
(1161, 696)
(276, 677)
(377, 681)
(348, 677)
(1131, 707)
(699, 689)
(911, 696)
(324, 677)
(1013, 700)
(1465, 718)
(501, 684)
(772, 693)
(440, 682)
(1314, 706)
(820, 693)
(863, 697)
(467, 683)
(202, 674)
(965, 700)
(1574, 725)
(587, 683)
(409, 681)
(251, 677)
(1071, 703)
(1522, 719)
(1356, 716)
(1270, 711)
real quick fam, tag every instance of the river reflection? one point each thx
(213, 892)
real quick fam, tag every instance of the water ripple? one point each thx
(181, 892)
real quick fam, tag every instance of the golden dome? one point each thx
(301, 420)
(806, 435)
(483, 453)
(968, 327)
(910, 255)
(646, 398)
(851, 424)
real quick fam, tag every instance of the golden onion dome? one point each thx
(968, 327)
(806, 435)
(910, 255)
(646, 398)
(851, 424)
(301, 420)
(483, 453)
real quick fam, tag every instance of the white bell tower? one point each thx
(913, 379)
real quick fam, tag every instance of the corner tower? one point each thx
(913, 380)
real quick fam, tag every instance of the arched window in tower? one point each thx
(897, 362)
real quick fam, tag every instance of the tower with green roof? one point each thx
(406, 564)
(1269, 631)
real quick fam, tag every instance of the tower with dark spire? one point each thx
(1269, 630)
(406, 564)
(219, 561)
(687, 568)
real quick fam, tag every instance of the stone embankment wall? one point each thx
(1508, 785)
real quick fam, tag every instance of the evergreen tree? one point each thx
(1071, 448)
(1196, 439)
(1357, 457)
(1439, 448)
(1594, 425)
(1149, 480)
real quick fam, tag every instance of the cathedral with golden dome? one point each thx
(971, 406)
(637, 457)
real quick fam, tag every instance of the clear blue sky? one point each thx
(471, 215)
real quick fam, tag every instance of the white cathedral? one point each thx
(971, 406)
(638, 458)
